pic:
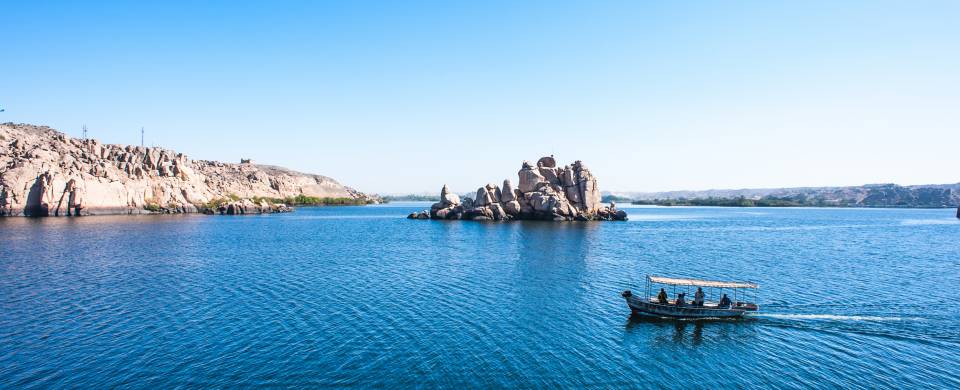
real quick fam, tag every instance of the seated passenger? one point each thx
(725, 301)
(662, 297)
(680, 301)
(698, 297)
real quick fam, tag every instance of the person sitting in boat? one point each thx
(725, 301)
(680, 301)
(662, 297)
(698, 297)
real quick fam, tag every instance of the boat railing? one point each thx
(706, 305)
(713, 289)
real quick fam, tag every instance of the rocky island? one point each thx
(544, 192)
(44, 172)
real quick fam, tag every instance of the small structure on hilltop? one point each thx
(544, 192)
(246, 161)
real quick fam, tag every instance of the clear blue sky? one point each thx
(397, 97)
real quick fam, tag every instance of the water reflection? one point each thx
(688, 332)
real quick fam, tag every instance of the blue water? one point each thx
(360, 296)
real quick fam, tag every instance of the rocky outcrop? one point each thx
(419, 215)
(247, 206)
(46, 173)
(544, 192)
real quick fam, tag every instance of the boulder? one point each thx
(419, 215)
(569, 183)
(620, 215)
(567, 210)
(449, 202)
(526, 208)
(478, 214)
(498, 213)
(448, 197)
(550, 175)
(455, 213)
(507, 194)
(566, 177)
(588, 192)
(483, 198)
(530, 177)
(512, 207)
(547, 162)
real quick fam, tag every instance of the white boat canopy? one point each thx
(701, 283)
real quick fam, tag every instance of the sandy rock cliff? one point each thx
(46, 173)
(544, 192)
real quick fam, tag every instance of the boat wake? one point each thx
(828, 317)
(941, 221)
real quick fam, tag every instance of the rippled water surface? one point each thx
(360, 296)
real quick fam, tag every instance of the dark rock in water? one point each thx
(421, 215)
(545, 192)
(620, 215)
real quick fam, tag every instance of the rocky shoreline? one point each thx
(44, 172)
(544, 192)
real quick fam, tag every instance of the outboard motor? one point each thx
(626, 293)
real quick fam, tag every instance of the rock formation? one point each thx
(46, 173)
(544, 192)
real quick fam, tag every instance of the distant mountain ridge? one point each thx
(869, 195)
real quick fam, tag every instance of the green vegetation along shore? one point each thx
(299, 200)
(410, 198)
(303, 200)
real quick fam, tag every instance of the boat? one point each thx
(649, 305)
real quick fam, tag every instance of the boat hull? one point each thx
(642, 307)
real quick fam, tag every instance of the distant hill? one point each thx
(870, 195)
(411, 198)
(45, 172)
